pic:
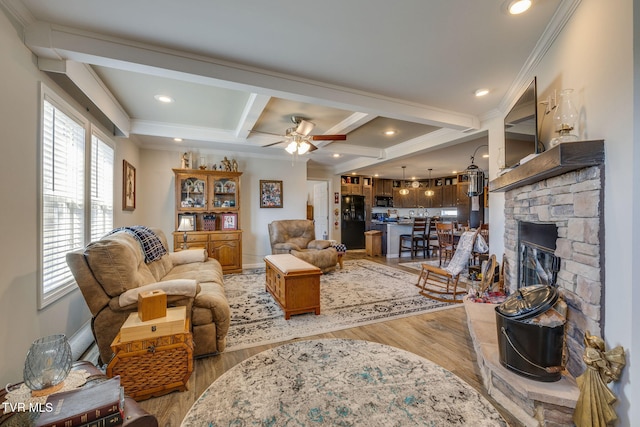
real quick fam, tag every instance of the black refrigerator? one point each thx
(353, 221)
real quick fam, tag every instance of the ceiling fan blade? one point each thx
(329, 138)
(312, 148)
(266, 133)
(272, 144)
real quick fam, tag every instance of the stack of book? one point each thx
(99, 405)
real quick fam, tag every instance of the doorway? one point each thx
(318, 197)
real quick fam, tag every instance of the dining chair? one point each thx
(432, 237)
(478, 257)
(446, 241)
(417, 240)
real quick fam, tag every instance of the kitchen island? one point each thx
(392, 233)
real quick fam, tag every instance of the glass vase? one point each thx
(565, 119)
(47, 364)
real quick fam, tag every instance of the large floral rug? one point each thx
(363, 292)
(339, 382)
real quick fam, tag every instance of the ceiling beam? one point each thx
(172, 130)
(252, 111)
(92, 86)
(54, 41)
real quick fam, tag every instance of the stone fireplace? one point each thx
(573, 202)
(554, 227)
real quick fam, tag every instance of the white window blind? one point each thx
(101, 188)
(77, 192)
(63, 159)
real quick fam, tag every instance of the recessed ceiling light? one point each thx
(353, 173)
(485, 156)
(376, 175)
(164, 98)
(454, 171)
(390, 132)
(177, 139)
(482, 92)
(517, 7)
(336, 155)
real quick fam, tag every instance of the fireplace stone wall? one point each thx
(574, 202)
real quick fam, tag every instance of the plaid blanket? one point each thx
(150, 243)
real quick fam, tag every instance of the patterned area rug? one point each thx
(363, 292)
(340, 383)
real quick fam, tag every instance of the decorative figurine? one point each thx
(234, 165)
(594, 407)
(185, 161)
(226, 164)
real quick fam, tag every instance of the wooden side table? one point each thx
(152, 365)
(134, 415)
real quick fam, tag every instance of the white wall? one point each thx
(594, 56)
(20, 320)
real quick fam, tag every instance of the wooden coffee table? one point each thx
(294, 284)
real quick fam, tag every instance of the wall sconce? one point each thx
(475, 176)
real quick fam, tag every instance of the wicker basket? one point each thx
(153, 367)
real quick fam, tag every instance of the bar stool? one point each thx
(415, 241)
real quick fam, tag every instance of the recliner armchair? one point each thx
(297, 237)
(111, 270)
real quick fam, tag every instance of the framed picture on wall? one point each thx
(270, 194)
(128, 186)
(229, 221)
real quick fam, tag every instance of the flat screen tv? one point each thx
(521, 128)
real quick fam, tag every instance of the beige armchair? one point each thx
(297, 237)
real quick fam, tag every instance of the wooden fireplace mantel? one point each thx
(556, 161)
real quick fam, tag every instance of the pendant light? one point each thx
(429, 192)
(475, 176)
(404, 190)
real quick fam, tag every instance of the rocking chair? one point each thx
(441, 284)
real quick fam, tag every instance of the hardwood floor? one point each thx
(442, 337)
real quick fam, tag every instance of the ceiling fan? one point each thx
(298, 139)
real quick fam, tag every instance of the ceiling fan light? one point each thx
(305, 127)
(303, 147)
(292, 147)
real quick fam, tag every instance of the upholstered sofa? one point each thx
(297, 237)
(112, 271)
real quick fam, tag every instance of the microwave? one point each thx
(384, 201)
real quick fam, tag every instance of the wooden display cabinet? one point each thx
(204, 194)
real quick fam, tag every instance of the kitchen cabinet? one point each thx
(383, 187)
(404, 201)
(351, 185)
(463, 202)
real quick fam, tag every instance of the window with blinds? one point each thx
(71, 214)
(101, 188)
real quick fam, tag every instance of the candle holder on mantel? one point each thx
(565, 119)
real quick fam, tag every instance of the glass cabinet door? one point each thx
(224, 193)
(193, 192)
